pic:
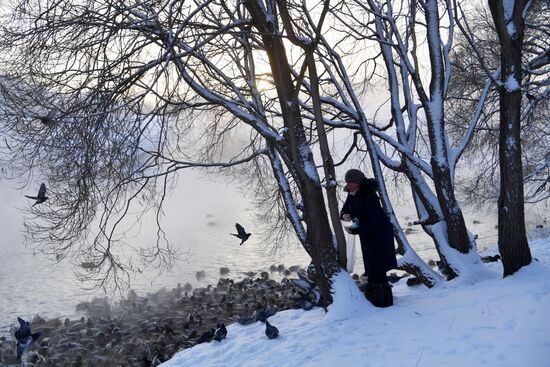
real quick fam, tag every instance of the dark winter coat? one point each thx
(375, 229)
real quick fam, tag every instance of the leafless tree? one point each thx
(517, 43)
(114, 97)
(414, 139)
(129, 82)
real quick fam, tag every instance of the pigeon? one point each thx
(246, 320)
(306, 288)
(206, 336)
(221, 332)
(271, 331)
(262, 314)
(490, 259)
(24, 337)
(50, 119)
(41, 197)
(241, 233)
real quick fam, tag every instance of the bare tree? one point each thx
(140, 90)
(414, 140)
(126, 78)
(338, 103)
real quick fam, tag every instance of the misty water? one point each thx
(199, 215)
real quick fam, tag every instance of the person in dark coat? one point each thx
(375, 233)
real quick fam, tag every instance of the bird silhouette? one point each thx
(263, 313)
(41, 197)
(50, 119)
(24, 336)
(207, 336)
(246, 320)
(241, 233)
(221, 332)
(271, 331)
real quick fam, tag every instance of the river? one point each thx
(200, 214)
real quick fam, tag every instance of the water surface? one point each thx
(199, 216)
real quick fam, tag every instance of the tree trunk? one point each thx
(512, 238)
(328, 164)
(319, 235)
(443, 181)
(429, 214)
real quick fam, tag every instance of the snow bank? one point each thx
(493, 322)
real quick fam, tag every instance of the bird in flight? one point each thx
(50, 119)
(41, 197)
(241, 233)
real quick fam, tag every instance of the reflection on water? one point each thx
(199, 217)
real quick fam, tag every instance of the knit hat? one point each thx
(354, 175)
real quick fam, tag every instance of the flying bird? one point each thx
(221, 332)
(241, 233)
(41, 197)
(271, 331)
(24, 336)
(50, 119)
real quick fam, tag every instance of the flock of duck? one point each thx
(148, 330)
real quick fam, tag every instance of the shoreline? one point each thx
(148, 330)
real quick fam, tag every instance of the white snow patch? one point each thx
(468, 266)
(348, 301)
(508, 6)
(511, 27)
(511, 143)
(511, 84)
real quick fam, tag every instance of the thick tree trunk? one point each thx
(328, 164)
(429, 215)
(512, 238)
(319, 235)
(456, 226)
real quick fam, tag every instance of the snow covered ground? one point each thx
(494, 322)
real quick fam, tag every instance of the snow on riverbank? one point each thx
(495, 322)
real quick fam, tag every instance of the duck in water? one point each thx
(24, 336)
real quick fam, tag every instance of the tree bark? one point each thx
(328, 165)
(512, 237)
